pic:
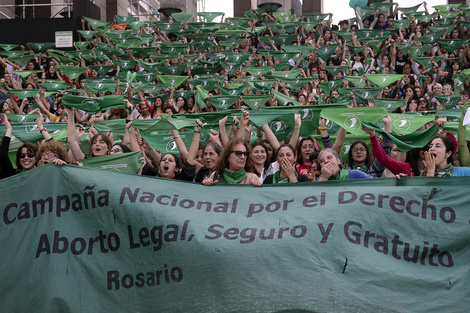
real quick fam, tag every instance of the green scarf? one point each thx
(234, 177)
(343, 175)
(363, 168)
(277, 179)
(446, 171)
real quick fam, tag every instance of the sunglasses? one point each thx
(238, 153)
(29, 154)
(358, 149)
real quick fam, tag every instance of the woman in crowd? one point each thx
(438, 159)
(210, 156)
(234, 166)
(260, 159)
(51, 151)
(285, 156)
(332, 169)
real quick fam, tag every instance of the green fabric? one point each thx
(207, 82)
(22, 118)
(8, 47)
(334, 70)
(87, 34)
(96, 23)
(417, 139)
(56, 86)
(446, 171)
(358, 81)
(383, 80)
(97, 87)
(345, 34)
(325, 52)
(350, 119)
(233, 91)
(29, 132)
(172, 69)
(402, 23)
(255, 101)
(431, 38)
(343, 175)
(362, 168)
(210, 16)
(317, 18)
(25, 74)
(176, 80)
(389, 104)
(71, 72)
(277, 179)
(222, 102)
(383, 6)
(165, 143)
(425, 18)
(282, 99)
(362, 93)
(327, 87)
(297, 83)
(124, 65)
(121, 19)
(408, 123)
(449, 101)
(410, 10)
(122, 163)
(93, 104)
(124, 208)
(284, 74)
(364, 12)
(234, 177)
(451, 44)
(278, 40)
(24, 93)
(40, 47)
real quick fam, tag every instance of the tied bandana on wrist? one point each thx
(277, 179)
(446, 171)
(234, 177)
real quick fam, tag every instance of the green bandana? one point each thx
(234, 177)
(277, 179)
(122, 19)
(363, 168)
(124, 162)
(343, 175)
(446, 171)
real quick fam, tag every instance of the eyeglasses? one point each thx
(308, 146)
(117, 150)
(29, 154)
(423, 101)
(48, 154)
(239, 154)
(358, 149)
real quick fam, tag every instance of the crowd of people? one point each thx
(234, 73)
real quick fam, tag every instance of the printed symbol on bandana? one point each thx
(256, 103)
(389, 106)
(29, 128)
(21, 118)
(366, 95)
(278, 127)
(171, 146)
(345, 149)
(329, 124)
(223, 103)
(384, 79)
(451, 43)
(59, 131)
(283, 56)
(306, 114)
(331, 84)
(99, 86)
(233, 92)
(24, 93)
(253, 135)
(55, 85)
(353, 122)
(402, 124)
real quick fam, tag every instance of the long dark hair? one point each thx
(350, 157)
(267, 161)
(222, 164)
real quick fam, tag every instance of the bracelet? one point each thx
(197, 131)
(174, 137)
(323, 128)
(43, 129)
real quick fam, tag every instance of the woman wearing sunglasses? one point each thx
(234, 166)
(25, 155)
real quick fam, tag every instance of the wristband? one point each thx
(174, 137)
(322, 128)
(197, 131)
(43, 129)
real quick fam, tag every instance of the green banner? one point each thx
(383, 80)
(389, 104)
(24, 93)
(99, 237)
(93, 104)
